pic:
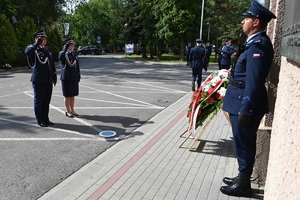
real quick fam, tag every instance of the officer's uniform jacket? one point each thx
(227, 51)
(252, 69)
(196, 57)
(41, 61)
(208, 49)
(69, 65)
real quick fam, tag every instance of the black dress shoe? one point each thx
(49, 123)
(242, 188)
(193, 86)
(43, 124)
(230, 181)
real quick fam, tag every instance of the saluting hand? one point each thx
(39, 41)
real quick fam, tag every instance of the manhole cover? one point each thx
(107, 133)
(162, 101)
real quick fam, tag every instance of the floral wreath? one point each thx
(206, 101)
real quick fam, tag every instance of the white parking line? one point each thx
(77, 119)
(93, 108)
(116, 95)
(59, 139)
(114, 102)
(145, 89)
(145, 84)
(8, 95)
(52, 128)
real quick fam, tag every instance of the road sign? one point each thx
(98, 39)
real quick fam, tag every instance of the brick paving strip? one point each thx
(131, 162)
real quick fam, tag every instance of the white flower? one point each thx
(206, 88)
(214, 81)
(222, 91)
(223, 74)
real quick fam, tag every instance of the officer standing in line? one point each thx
(43, 76)
(196, 58)
(188, 51)
(246, 98)
(208, 50)
(70, 76)
(220, 52)
(227, 52)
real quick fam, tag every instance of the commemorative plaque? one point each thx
(290, 46)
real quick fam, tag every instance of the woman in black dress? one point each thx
(70, 75)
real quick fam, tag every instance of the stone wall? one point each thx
(283, 173)
(283, 177)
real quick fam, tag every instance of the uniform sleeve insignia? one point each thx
(256, 55)
(256, 41)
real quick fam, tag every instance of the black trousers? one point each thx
(245, 142)
(197, 75)
(42, 98)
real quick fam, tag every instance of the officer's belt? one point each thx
(238, 84)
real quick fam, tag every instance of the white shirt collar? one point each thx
(249, 38)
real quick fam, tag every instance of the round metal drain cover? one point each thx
(162, 101)
(107, 133)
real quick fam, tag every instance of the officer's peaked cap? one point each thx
(199, 40)
(68, 41)
(40, 33)
(259, 11)
(224, 39)
(228, 38)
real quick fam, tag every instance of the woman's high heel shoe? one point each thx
(74, 114)
(69, 115)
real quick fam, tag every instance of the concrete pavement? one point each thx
(148, 163)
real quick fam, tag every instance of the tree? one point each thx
(225, 18)
(24, 30)
(8, 41)
(44, 12)
(176, 19)
(54, 41)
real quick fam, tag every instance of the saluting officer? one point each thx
(196, 57)
(246, 98)
(43, 76)
(227, 52)
(70, 76)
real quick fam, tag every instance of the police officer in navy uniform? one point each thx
(227, 51)
(188, 51)
(70, 75)
(220, 52)
(208, 50)
(43, 76)
(196, 58)
(246, 98)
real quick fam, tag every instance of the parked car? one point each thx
(98, 49)
(93, 50)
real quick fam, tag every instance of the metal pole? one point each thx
(201, 18)
(208, 31)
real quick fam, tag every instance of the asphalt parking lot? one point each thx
(115, 94)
